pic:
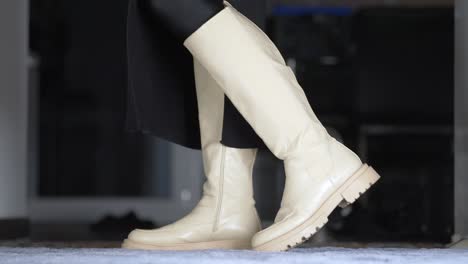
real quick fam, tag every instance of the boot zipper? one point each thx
(220, 190)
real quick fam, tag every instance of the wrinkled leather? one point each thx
(253, 74)
(227, 208)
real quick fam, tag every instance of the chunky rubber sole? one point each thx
(222, 244)
(345, 195)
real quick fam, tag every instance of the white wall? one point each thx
(13, 108)
(461, 117)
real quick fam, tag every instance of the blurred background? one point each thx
(379, 74)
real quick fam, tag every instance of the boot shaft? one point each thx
(252, 73)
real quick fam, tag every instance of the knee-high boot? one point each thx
(226, 217)
(321, 173)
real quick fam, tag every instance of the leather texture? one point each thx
(253, 74)
(226, 211)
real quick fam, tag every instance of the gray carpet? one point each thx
(297, 256)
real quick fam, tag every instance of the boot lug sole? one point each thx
(221, 244)
(346, 194)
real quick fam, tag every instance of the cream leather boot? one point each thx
(321, 173)
(226, 217)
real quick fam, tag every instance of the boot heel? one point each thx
(358, 185)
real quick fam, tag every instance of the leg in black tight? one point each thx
(182, 17)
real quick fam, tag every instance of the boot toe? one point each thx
(279, 229)
(152, 237)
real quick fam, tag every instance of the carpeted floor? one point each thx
(297, 256)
